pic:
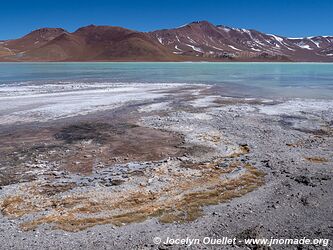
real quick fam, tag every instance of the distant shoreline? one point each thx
(124, 61)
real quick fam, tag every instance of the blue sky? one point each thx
(291, 18)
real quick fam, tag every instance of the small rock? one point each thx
(304, 180)
(223, 165)
(117, 182)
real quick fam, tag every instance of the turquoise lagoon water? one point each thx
(294, 80)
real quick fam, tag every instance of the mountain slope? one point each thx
(34, 39)
(195, 41)
(207, 40)
(91, 43)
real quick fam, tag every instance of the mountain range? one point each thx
(196, 41)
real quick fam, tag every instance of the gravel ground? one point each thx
(290, 141)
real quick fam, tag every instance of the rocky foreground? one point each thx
(113, 167)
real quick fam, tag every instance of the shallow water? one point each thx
(290, 80)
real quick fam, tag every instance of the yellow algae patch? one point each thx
(316, 159)
(208, 137)
(243, 149)
(179, 200)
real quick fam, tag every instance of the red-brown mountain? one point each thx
(91, 43)
(194, 41)
(33, 40)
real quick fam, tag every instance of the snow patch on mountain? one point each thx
(230, 46)
(195, 48)
(316, 43)
(176, 47)
(303, 45)
(217, 48)
(160, 40)
(191, 40)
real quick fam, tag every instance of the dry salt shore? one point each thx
(100, 166)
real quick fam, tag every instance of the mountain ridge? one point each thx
(195, 41)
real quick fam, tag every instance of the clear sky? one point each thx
(293, 18)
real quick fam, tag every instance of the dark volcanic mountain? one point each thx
(194, 41)
(207, 40)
